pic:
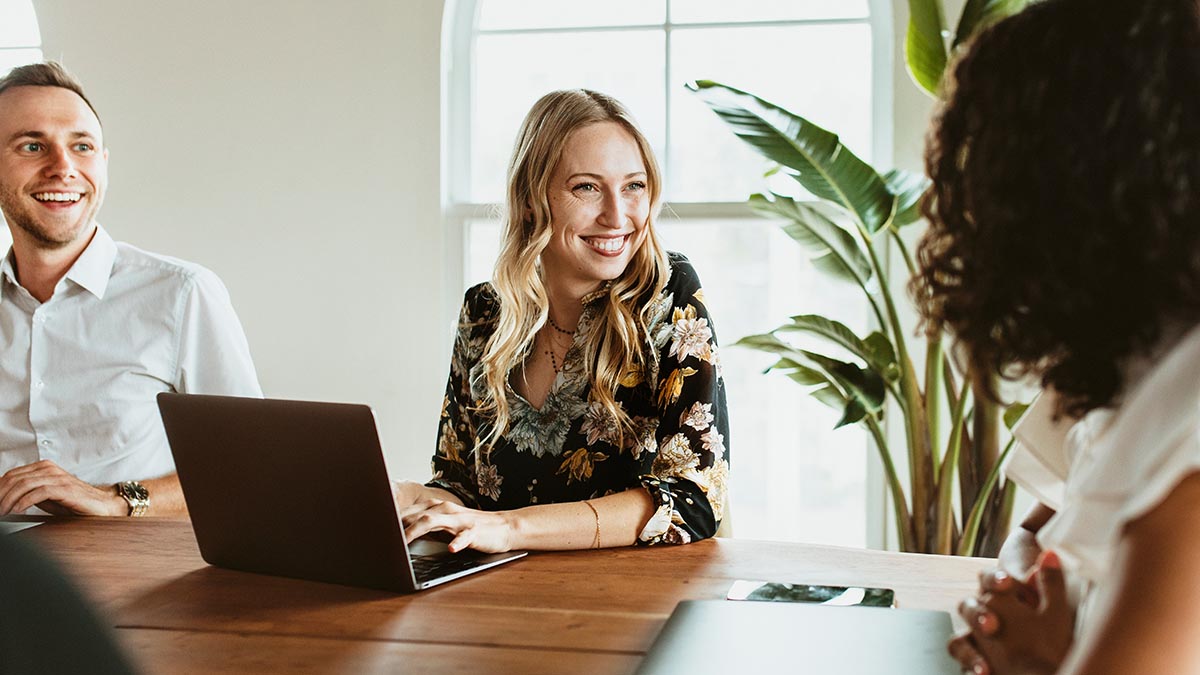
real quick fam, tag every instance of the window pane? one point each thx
(513, 71)
(18, 24)
(688, 11)
(11, 58)
(507, 14)
(483, 245)
(821, 72)
(794, 477)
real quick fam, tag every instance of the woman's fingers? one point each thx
(1051, 584)
(979, 617)
(418, 508)
(995, 581)
(463, 540)
(442, 516)
(963, 650)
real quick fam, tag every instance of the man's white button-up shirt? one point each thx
(79, 373)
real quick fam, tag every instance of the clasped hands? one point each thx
(425, 510)
(1017, 627)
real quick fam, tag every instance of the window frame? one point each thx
(5, 235)
(459, 29)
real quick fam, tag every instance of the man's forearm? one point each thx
(166, 498)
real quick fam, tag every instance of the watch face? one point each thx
(134, 491)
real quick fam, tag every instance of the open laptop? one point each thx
(722, 636)
(299, 489)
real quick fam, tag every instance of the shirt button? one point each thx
(46, 442)
(40, 384)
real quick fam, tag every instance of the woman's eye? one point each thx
(637, 185)
(584, 187)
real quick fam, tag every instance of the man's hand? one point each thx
(1017, 627)
(49, 487)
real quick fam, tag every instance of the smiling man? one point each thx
(91, 329)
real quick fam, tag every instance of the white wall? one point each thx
(292, 147)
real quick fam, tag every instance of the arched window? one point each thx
(20, 39)
(794, 477)
(20, 43)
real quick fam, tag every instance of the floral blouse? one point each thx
(569, 450)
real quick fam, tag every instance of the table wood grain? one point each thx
(585, 611)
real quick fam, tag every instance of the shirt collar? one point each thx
(7, 273)
(94, 266)
(596, 294)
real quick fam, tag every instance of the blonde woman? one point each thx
(585, 406)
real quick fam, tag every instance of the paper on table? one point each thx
(8, 526)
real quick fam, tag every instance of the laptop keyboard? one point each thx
(428, 567)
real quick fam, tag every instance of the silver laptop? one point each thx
(724, 636)
(299, 489)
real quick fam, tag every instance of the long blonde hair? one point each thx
(618, 343)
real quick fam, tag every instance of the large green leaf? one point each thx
(852, 410)
(861, 384)
(834, 331)
(882, 355)
(978, 14)
(831, 248)
(798, 373)
(876, 350)
(924, 46)
(861, 391)
(814, 156)
(805, 377)
(908, 187)
(767, 342)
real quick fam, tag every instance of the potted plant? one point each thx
(849, 229)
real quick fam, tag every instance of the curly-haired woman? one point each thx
(1064, 243)
(585, 406)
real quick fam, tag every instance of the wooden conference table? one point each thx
(581, 612)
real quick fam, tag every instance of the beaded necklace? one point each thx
(550, 352)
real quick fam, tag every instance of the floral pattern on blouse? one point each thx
(570, 449)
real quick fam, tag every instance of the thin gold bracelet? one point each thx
(596, 541)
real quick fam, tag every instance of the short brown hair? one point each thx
(48, 74)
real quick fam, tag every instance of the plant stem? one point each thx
(970, 538)
(919, 451)
(899, 501)
(933, 391)
(875, 308)
(985, 434)
(944, 520)
(908, 261)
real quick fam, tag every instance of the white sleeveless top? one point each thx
(1110, 468)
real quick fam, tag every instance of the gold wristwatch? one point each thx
(136, 495)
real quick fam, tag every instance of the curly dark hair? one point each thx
(1065, 208)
